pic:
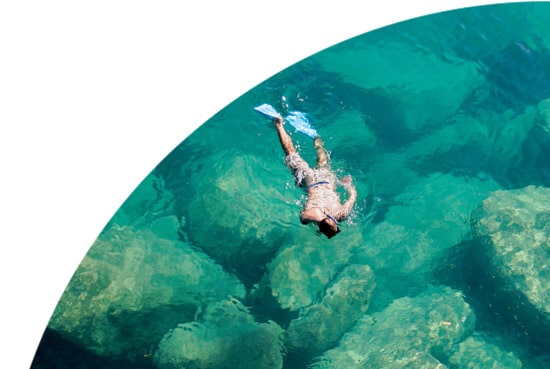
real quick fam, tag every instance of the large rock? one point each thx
(390, 68)
(226, 337)
(319, 327)
(236, 216)
(513, 228)
(476, 352)
(410, 333)
(133, 285)
(427, 220)
(300, 272)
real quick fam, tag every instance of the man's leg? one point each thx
(286, 140)
(322, 155)
(300, 168)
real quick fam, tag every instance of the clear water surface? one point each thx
(430, 117)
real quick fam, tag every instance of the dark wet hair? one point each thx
(326, 228)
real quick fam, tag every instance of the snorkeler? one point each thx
(323, 204)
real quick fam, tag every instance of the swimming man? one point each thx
(323, 204)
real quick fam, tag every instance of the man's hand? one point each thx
(346, 181)
(278, 120)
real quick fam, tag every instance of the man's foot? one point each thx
(346, 180)
(278, 120)
(317, 142)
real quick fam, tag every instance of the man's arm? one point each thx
(346, 182)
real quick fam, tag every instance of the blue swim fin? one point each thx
(296, 119)
(268, 110)
(299, 121)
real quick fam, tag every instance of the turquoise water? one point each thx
(430, 117)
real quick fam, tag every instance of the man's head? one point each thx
(329, 227)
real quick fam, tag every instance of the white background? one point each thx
(93, 95)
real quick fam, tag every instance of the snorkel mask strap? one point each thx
(332, 218)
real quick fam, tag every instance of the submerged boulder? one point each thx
(427, 220)
(320, 326)
(415, 332)
(513, 228)
(389, 68)
(476, 352)
(133, 285)
(237, 216)
(299, 273)
(226, 337)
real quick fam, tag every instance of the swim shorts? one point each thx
(306, 176)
